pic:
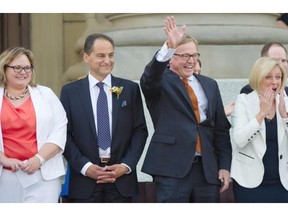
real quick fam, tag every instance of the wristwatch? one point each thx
(42, 161)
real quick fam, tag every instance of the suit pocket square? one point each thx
(124, 103)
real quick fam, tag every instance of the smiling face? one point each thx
(101, 59)
(18, 80)
(183, 66)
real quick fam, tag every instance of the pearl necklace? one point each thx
(18, 97)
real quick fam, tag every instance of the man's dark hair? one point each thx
(265, 49)
(90, 41)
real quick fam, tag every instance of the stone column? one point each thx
(229, 43)
(47, 46)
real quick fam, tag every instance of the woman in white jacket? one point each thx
(259, 137)
(32, 133)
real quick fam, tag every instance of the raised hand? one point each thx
(282, 106)
(229, 108)
(174, 34)
(267, 105)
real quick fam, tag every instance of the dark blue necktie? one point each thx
(104, 140)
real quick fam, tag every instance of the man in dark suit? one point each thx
(97, 173)
(272, 50)
(182, 173)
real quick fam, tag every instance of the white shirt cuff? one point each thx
(165, 53)
(84, 169)
(129, 169)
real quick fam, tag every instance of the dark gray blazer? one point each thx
(173, 143)
(129, 134)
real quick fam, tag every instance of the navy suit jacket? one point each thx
(173, 144)
(129, 134)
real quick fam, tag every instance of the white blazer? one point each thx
(248, 140)
(51, 127)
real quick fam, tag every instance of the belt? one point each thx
(197, 159)
(104, 160)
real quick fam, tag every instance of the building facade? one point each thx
(229, 44)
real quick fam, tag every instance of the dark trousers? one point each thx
(264, 193)
(191, 188)
(103, 193)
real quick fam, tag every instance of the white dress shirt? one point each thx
(94, 92)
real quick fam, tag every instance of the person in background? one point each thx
(197, 67)
(33, 133)
(228, 108)
(190, 152)
(106, 129)
(273, 50)
(282, 21)
(259, 137)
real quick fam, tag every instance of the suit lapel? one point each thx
(115, 103)
(253, 104)
(84, 95)
(209, 95)
(175, 81)
(280, 128)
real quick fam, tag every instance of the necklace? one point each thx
(18, 97)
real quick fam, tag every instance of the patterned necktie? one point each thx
(194, 102)
(104, 139)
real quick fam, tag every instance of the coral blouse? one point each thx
(19, 129)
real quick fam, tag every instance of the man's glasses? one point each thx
(186, 56)
(18, 68)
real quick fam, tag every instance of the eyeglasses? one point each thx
(186, 56)
(18, 68)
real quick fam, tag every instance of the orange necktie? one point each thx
(194, 102)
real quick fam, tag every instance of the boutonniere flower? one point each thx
(117, 90)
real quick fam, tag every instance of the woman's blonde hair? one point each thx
(8, 56)
(261, 68)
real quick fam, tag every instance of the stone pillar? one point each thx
(94, 23)
(229, 43)
(47, 46)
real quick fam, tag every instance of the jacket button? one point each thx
(281, 156)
